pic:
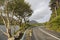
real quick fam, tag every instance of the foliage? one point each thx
(58, 11)
(20, 10)
(54, 23)
(2, 2)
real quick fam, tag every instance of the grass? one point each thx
(54, 24)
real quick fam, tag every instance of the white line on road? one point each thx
(49, 34)
(24, 35)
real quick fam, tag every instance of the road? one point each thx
(40, 33)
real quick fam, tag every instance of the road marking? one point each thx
(24, 35)
(49, 34)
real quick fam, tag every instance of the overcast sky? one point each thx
(41, 10)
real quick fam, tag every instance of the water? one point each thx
(2, 27)
(2, 36)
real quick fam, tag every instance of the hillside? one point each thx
(54, 23)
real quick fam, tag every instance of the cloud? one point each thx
(41, 10)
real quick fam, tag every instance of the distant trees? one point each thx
(11, 8)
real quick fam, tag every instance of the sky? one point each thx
(41, 10)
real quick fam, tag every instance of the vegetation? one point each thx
(54, 23)
(18, 9)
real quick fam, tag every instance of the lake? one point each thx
(2, 36)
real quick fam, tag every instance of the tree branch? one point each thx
(4, 32)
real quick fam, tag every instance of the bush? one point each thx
(55, 23)
(58, 11)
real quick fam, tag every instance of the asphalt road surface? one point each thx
(40, 33)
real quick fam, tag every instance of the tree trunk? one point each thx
(7, 24)
(11, 38)
(57, 3)
(56, 11)
(8, 27)
(24, 23)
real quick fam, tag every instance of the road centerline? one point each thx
(49, 34)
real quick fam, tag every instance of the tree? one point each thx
(54, 7)
(54, 22)
(2, 2)
(19, 9)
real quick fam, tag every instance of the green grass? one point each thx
(58, 11)
(54, 24)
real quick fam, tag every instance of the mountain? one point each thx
(33, 22)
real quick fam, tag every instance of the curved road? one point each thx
(40, 33)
